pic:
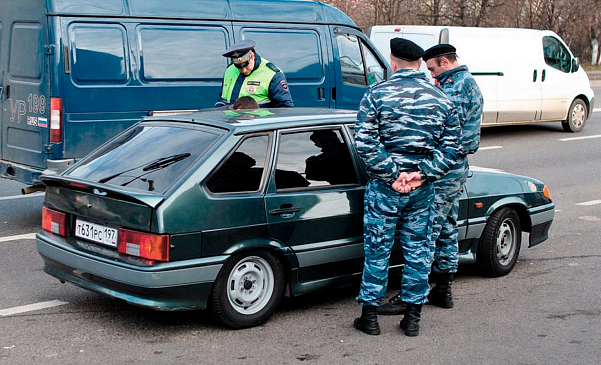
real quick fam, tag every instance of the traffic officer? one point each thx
(457, 82)
(408, 135)
(251, 75)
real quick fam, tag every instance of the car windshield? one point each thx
(147, 157)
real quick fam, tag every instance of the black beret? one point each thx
(439, 50)
(240, 52)
(405, 49)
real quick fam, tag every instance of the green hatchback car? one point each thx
(232, 210)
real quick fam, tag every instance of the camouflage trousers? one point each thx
(447, 192)
(413, 214)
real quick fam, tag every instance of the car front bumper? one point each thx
(180, 285)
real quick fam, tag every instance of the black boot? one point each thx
(410, 323)
(441, 295)
(368, 322)
(394, 306)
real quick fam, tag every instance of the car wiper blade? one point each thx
(166, 161)
(152, 165)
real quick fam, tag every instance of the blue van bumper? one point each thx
(181, 285)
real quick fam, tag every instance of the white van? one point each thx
(526, 76)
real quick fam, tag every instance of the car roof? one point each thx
(245, 121)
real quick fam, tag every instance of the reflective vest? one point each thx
(256, 85)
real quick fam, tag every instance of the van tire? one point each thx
(499, 246)
(576, 117)
(247, 290)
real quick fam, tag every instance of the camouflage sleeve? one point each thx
(377, 161)
(473, 118)
(448, 151)
(279, 95)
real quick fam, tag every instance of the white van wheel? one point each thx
(576, 117)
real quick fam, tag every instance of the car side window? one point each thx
(243, 170)
(357, 63)
(556, 54)
(319, 158)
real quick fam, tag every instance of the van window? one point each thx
(243, 171)
(99, 53)
(297, 52)
(26, 52)
(319, 158)
(556, 54)
(355, 60)
(182, 53)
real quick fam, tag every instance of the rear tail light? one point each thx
(56, 120)
(145, 245)
(53, 221)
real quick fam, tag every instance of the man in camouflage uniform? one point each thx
(408, 135)
(457, 82)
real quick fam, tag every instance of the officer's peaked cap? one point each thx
(240, 52)
(405, 49)
(439, 50)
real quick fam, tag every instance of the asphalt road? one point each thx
(547, 311)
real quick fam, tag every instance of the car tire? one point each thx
(576, 117)
(499, 246)
(247, 290)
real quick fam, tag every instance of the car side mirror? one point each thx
(575, 64)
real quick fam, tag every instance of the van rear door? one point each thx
(24, 64)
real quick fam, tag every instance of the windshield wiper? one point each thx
(157, 164)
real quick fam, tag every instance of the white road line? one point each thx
(28, 236)
(595, 110)
(579, 138)
(34, 195)
(30, 307)
(591, 202)
(489, 148)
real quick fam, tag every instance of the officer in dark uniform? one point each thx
(251, 75)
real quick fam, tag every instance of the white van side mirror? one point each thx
(575, 64)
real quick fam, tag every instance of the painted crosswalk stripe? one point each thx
(591, 202)
(579, 138)
(27, 236)
(30, 308)
(489, 148)
(12, 197)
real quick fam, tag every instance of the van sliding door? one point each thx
(298, 51)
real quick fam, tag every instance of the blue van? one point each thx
(76, 72)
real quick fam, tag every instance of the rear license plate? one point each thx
(96, 232)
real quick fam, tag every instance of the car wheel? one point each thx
(500, 243)
(248, 290)
(576, 117)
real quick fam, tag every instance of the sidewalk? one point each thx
(594, 77)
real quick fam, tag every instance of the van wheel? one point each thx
(248, 290)
(576, 117)
(499, 246)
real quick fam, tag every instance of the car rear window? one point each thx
(147, 157)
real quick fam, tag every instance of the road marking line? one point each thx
(34, 195)
(595, 110)
(489, 148)
(27, 236)
(30, 307)
(578, 138)
(591, 202)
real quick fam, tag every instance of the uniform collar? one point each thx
(443, 77)
(406, 73)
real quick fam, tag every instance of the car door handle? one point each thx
(543, 75)
(320, 93)
(284, 211)
(534, 76)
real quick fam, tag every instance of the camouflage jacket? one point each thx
(463, 91)
(407, 124)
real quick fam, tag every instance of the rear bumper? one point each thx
(184, 285)
(31, 175)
